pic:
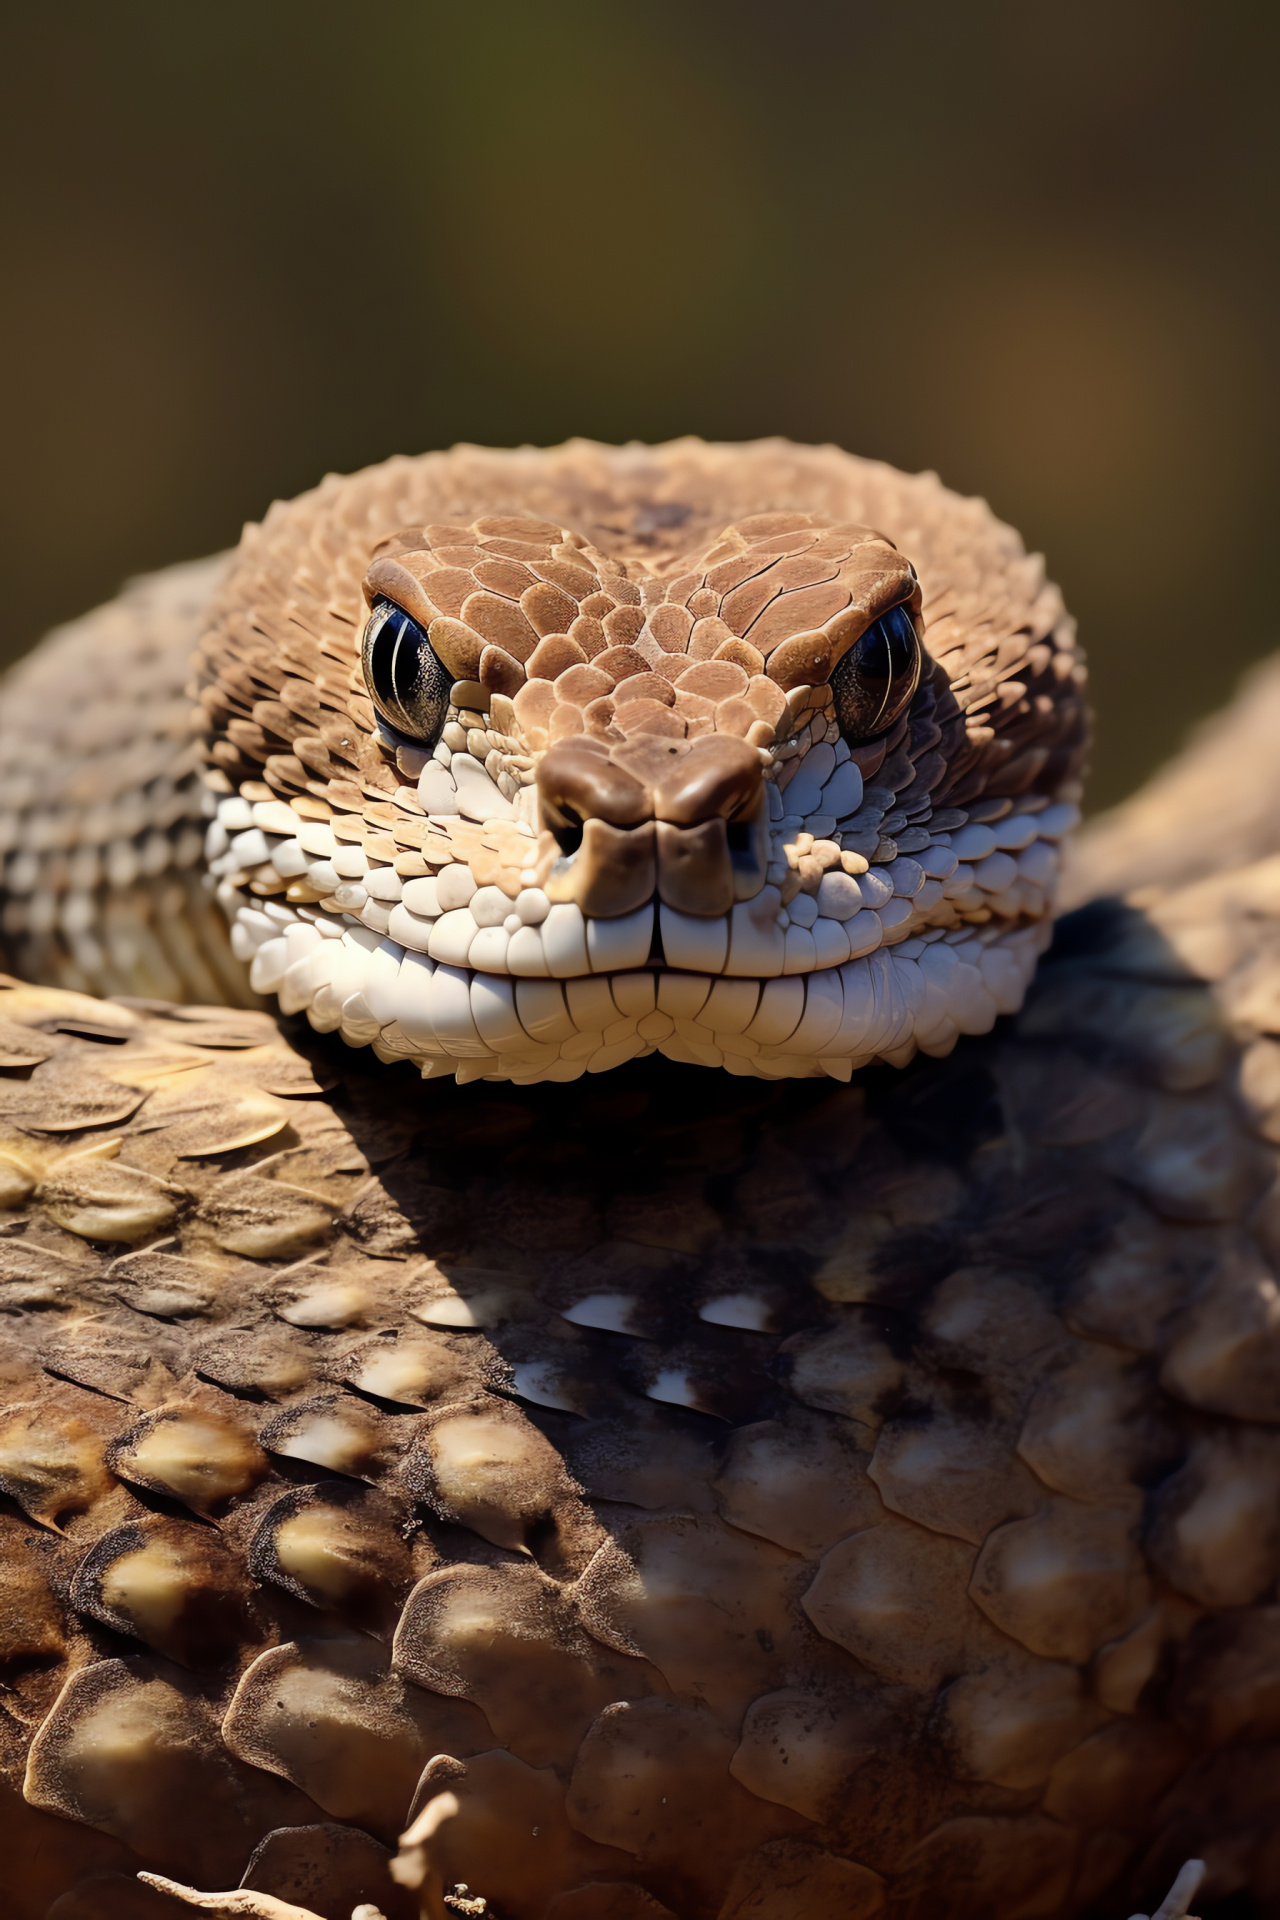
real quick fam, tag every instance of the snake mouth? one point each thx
(457, 1022)
(823, 968)
(465, 983)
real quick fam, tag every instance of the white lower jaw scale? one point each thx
(465, 1024)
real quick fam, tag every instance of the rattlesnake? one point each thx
(673, 774)
(845, 1483)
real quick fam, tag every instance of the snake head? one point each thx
(751, 802)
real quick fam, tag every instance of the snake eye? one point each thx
(407, 683)
(873, 683)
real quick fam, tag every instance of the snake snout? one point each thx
(686, 820)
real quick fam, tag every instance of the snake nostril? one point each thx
(568, 837)
(578, 782)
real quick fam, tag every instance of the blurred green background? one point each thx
(1029, 245)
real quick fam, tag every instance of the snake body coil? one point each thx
(845, 1484)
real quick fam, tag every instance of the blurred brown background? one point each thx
(1030, 245)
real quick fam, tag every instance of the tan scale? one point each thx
(761, 1495)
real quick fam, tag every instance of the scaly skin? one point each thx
(673, 616)
(677, 1493)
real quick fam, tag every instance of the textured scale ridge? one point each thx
(759, 1495)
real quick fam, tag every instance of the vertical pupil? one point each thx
(401, 682)
(875, 661)
(901, 639)
(386, 645)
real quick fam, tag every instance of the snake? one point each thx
(788, 1427)
(524, 765)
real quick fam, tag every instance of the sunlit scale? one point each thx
(616, 861)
